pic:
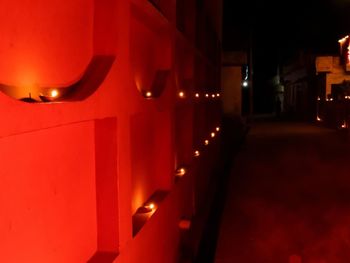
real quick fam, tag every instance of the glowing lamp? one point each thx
(217, 94)
(343, 39)
(318, 119)
(180, 172)
(148, 94)
(147, 208)
(54, 93)
(150, 206)
(343, 126)
(206, 142)
(318, 98)
(207, 95)
(217, 129)
(245, 84)
(197, 95)
(331, 99)
(213, 95)
(197, 153)
(181, 94)
(212, 134)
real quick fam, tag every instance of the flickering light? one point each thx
(181, 94)
(197, 95)
(151, 206)
(327, 99)
(206, 142)
(343, 125)
(213, 95)
(217, 94)
(346, 97)
(212, 134)
(318, 98)
(54, 93)
(207, 95)
(245, 84)
(180, 171)
(148, 94)
(343, 39)
(217, 129)
(318, 119)
(197, 153)
(331, 99)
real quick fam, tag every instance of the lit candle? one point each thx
(54, 93)
(180, 172)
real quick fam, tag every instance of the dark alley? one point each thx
(288, 197)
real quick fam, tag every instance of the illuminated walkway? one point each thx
(288, 198)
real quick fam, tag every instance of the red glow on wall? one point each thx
(74, 171)
(44, 43)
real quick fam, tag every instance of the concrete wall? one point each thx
(74, 172)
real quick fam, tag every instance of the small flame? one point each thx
(343, 125)
(181, 171)
(151, 206)
(54, 93)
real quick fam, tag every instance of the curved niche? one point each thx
(150, 50)
(183, 67)
(53, 56)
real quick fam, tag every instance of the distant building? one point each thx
(333, 79)
(298, 80)
(234, 81)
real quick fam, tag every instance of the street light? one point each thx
(245, 84)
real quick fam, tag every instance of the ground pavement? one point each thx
(288, 198)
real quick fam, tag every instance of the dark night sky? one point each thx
(280, 28)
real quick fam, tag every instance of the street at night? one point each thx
(288, 197)
(174, 131)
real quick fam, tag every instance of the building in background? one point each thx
(235, 83)
(110, 129)
(300, 89)
(333, 74)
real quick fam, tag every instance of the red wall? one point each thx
(73, 173)
(48, 204)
